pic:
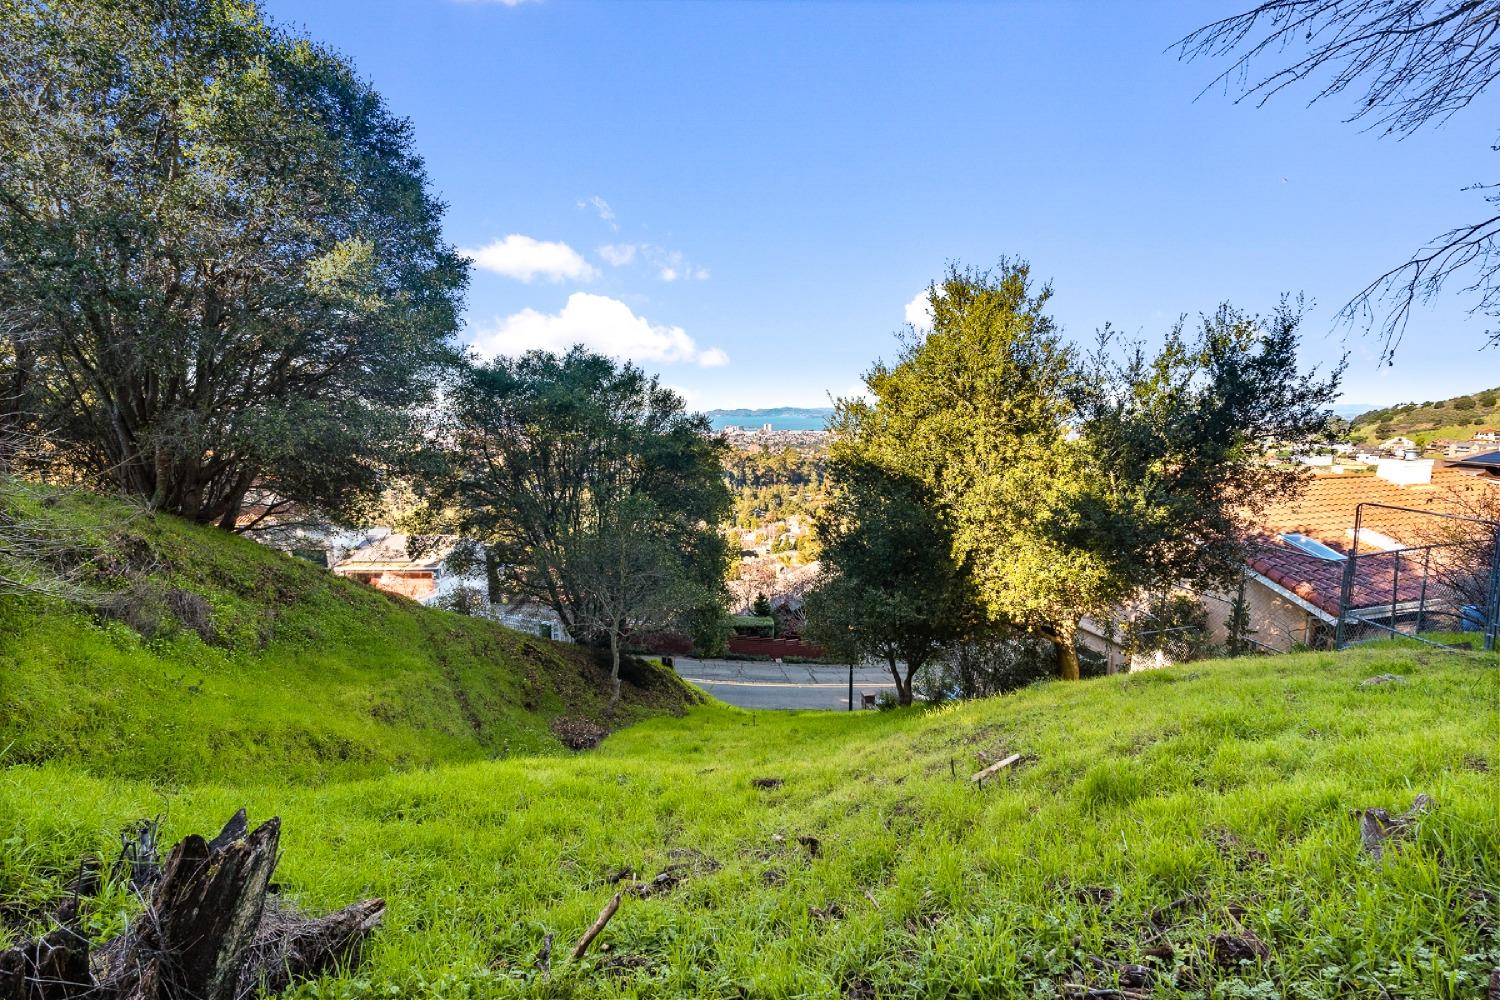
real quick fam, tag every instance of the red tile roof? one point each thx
(1320, 582)
(1325, 511)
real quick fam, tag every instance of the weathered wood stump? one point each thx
(206, 933)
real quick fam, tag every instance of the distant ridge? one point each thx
(1455, 419)
(1351, 410)
(781, 418)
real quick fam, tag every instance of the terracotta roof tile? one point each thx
(1320, 582)
(1326, 510)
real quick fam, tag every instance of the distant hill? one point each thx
(781, 418)
(1457, 418)
(1351, 410)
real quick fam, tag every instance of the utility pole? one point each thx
(851, 675)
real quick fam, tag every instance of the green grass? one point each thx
(1231, 782)
(291, 675)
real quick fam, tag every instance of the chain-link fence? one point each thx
(1440, 584)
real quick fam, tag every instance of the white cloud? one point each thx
(526, 259)
(503, 3)
(672, 265)
(919, 311)
(601, 206)
(618, 254)
(600, 323)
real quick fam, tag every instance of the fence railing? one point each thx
(1451, 585)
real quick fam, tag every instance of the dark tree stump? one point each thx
(203, 915)
(55, 967)
(289, 946)
(207, 932)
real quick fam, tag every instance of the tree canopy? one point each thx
(546, 449)
(221, 267)
(1073, 483)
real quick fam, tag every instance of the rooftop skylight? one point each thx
(1312, 546)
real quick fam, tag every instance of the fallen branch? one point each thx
(994, 768)
(593, 932)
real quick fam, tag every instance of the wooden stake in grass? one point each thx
(593, 932)
(994, 768)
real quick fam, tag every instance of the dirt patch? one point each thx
(578, 734)
(1228, 951)
(686, 862)
(766, 784)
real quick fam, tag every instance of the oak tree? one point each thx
(221, 267)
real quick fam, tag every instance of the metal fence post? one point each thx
(1395, 587)
(1422, 599)
(1492, 618)
(1340, 638)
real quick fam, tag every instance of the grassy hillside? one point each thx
(209, 657)
(1227, 788)
(1457, 419)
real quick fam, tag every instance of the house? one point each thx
(1487, 434)
(389, 561)
(1397, 446)
(1463, 449)
(1293, 577)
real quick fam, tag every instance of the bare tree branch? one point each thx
(1408, 63)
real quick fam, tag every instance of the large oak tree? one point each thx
(1073, 483)
(220, 264)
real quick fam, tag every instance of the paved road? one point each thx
(761, 684)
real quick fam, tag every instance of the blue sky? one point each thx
(744, 196)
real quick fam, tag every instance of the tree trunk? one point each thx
(614, 669)
(1064, 636)
(492, 575)
(903, 688)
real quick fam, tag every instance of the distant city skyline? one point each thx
(747, 198)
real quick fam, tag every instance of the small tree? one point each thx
(543, 449)
(628, 579)
(762, 606)
(891, 588)
(1238, 625)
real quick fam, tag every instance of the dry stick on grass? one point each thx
(593, 932)
(994, 768)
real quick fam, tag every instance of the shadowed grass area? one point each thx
(208, 657)
(1230, 787)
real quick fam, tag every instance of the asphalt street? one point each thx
(765, 684)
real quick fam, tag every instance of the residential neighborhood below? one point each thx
(1289, 597)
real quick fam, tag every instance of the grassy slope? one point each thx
(1232, 782)
(306, 677)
